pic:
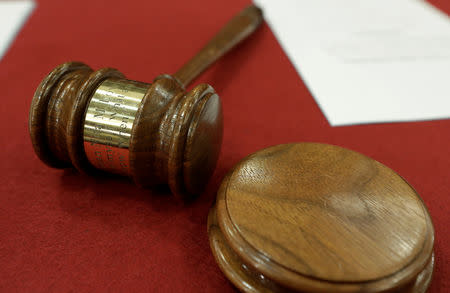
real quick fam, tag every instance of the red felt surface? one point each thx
(62, 231)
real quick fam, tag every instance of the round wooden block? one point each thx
(320, 218)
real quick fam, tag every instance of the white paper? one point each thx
(13, 15)
(367, 61)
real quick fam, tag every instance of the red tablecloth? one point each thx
(61, 231)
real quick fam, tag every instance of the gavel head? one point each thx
(155, 133)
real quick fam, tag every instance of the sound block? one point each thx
(311, 217)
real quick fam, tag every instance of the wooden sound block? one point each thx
(320, 218)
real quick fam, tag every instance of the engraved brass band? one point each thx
(108, 123)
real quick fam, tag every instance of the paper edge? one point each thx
(15, 32)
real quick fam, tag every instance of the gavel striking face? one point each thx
(155, 133)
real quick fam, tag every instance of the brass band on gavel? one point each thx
(155, 133)
(108, 123)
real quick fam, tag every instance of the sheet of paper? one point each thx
(368, 61)
(13, 15)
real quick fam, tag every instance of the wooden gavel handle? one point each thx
(236, 30)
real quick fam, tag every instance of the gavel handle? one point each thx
(236, 30)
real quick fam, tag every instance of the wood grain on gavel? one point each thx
(311, 217)
(156, 133)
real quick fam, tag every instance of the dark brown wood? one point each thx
(319, 218)
(239, 28)
(176, 135)
(48, 106)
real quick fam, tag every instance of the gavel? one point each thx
(156, 133)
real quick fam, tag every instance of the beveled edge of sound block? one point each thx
(247, 279)
(250, 271)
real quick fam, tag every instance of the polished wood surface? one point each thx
(320, 218)
(176, 135)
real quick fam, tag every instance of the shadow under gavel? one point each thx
(155, 133)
